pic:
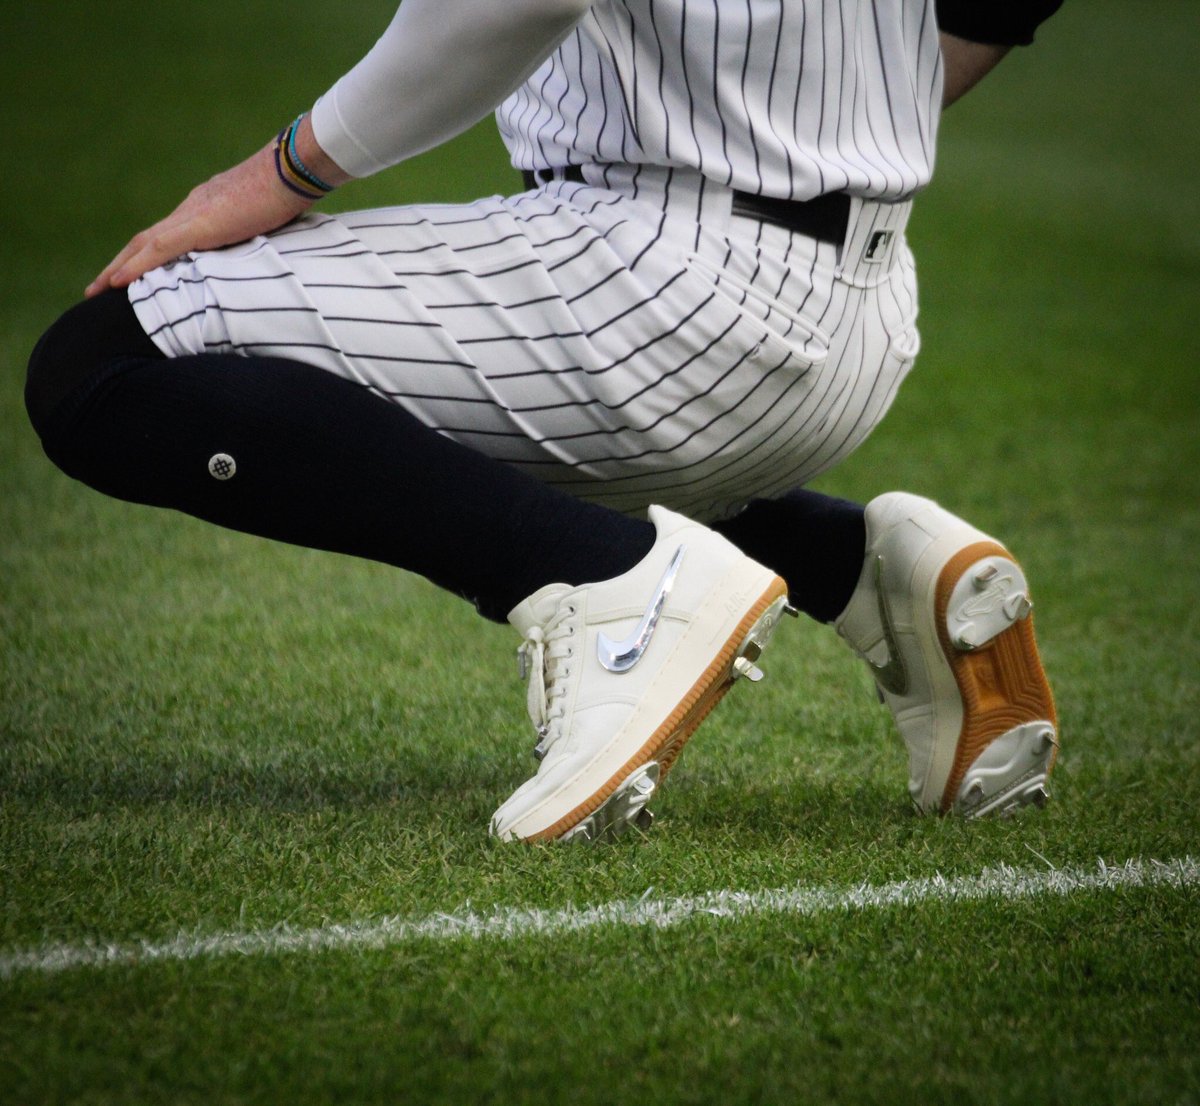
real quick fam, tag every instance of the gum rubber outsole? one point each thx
(665, 744)
(1007, 703)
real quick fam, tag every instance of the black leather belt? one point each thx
(824, 218)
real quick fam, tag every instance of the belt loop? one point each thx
(537, 178)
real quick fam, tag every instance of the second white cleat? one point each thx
(622, 672)
(942, 616)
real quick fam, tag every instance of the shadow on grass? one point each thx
(432, 789)
(296, 784)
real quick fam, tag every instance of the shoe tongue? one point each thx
(539, 608)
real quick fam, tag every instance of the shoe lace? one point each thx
(543, 658)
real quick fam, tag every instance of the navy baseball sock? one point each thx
(815, 542)
(291, 452)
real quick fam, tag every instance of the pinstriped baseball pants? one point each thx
(628, 340)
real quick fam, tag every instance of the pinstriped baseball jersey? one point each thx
(631, 339)
(848, 99)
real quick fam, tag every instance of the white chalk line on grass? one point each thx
(509, 923)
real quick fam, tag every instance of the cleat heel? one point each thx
(990, 596)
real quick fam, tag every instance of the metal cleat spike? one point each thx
(965, 639)
(790, 610)
(1045, 741)
(984, 576)
(644, 819)
(1039, 796)
(744, 667)
(644, 785)
(581, 833)
(1017, 606)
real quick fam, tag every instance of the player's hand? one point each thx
(246, 200)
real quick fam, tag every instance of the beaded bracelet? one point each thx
(292, 171)
(294, 158)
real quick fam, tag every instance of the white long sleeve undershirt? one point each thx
(439, 68)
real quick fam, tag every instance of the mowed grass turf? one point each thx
(205, 733)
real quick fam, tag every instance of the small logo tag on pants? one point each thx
(877, 246)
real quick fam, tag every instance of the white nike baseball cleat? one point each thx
(622, 672)
(941, 614)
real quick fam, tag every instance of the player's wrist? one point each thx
(292, 169)
(314, 157)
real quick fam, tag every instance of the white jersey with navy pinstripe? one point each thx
(781, 97)
(630, 339)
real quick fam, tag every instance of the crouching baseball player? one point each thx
(590, 408)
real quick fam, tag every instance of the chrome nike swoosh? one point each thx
(621, 656)
(892, 676)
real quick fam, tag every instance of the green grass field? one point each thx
(205, 735)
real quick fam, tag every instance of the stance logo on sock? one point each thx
(221, 466)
